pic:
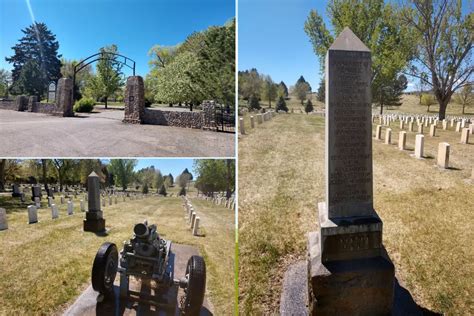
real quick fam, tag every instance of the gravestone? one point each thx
(70, 208)
(433, 130)
(94, 221)
(21, 103)
(3, 219)
(64, 100)
(52, 92)
(37, 202)
(378, 132)
(388, 136)
(83, 209)
(241, 126)
(54, 211)
(443, 155)
(196, 226)
(465, 136)
(22, 198)
(252, 121)
(134, 100)
(32, 214)
(349, 271)
(402, 140)
(16, 190)
(419, 144)
(35, 192)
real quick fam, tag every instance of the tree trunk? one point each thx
(442, 110)
(381, 108)
(463, 106)
(270, 103)
(43, 164)
(106, 102)
(428, 109)
(3, 163)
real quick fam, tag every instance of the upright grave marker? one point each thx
(3, 219)
(32, 214)
(346, 255)
(94, 221)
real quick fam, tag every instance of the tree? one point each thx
(250, 83)
(31, 80)
(82, 77)
(5, 79)
(322, 90)
(65, 169)
(391, 93)
(269, 90)
(309, 107)
(281, 105)
(465, 97)
(444, 46)
(3, 164)
(254, 104)
(282, 90)
(145, 188)
(109, 77)
(162, 190)
(378, 25)
(123, 171)
(215, 175)
(159, 179)
(428, 100)
(301, 90)
(161, 56)
(38, 45)
(302, 80)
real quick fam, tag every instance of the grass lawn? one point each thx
(45, 266)
(428, 230)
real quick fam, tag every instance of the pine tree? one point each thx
(302, 80)
(281, 105)
(322, 90)
(309, 107)
(182, 191)
(254, 103)
(284, 88)
(38, 44)
(145, 189)
(162, 190)
(31, 80)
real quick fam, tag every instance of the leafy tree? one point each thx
(392, 93)
(31, 80)
(159, 179)
(162, 190)
(309, 107)
(123, 171)
(162, 56)
(378, 25)
(65, 169)
(82, 77)
(5, 79)
(301, 90)
(428, 100)
(146, 176)
(465, 97)
(443, 48)
(86, 166)
(281, 105)
(109, 77)
(254, 104)
(250, 83)
(215, 175)
(269, 90)
(283, 90)
(322, 90)
(39, 45)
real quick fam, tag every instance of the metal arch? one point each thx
(100, 56)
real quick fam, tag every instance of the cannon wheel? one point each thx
(194, 291)
(104, 269)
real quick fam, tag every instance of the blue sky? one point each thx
(84, 26)
(166, 166)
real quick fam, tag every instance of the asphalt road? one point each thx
(102, 134)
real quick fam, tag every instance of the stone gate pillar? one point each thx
(21, 103)
(134, 100)
(64, 97)
(94, 221)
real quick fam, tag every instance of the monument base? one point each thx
(362, 286)
(94, 225)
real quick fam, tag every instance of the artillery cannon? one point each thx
(145, 257)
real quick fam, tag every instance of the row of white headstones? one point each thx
(220, 200)
(33, 209)
(443, 147)
(191, 216)
(260, 118)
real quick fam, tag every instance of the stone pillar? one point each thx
(378, 132)
(32, 214)
(433, 130)
(193, 218)
(419, 143)
(94, 221)
(402, 140)
(443, 155)
(3, 219)
(32, 103)
(388, 136)
(21, 103)
(196, 226)
(346, 256)
(465, 136)
(134, 100)
(64, 100)
(252, 121)
(241, 126)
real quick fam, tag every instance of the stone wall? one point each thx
(35, 107)
(8, 105)
(174, 118)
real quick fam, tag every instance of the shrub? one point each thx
(148, 102)
(145, 189)
(162, 190)
(84, 105)
(182, 192)
(281, 105)
(254, 103)
(309, 107)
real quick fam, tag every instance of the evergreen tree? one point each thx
(254, 103)
(31, 80)
(309, 107)
(284, 89)
(391, 93)
(162, 190)
(182, 192)
(145, 189)
(322, 90)
(302, 80)
(281, 105)
(38, 44)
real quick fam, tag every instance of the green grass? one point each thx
(427, 230)
(45, 266)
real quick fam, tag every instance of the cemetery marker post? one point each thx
(349, 271)
(94, 221)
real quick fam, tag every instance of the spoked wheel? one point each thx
(104, 269)
(194, 291)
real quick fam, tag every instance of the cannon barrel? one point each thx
(141, 230)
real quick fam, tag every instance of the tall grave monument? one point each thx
(94, 221)
(349, 271)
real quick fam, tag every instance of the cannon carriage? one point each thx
(146, 257)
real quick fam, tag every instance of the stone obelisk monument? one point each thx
(349, 271)
(94, 221)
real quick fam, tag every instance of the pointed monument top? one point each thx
(347, 40)
(93, 174)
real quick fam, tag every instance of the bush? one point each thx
(84, 105)
(145, 189)
(309, 107)
(148, 102)
(162, 190)
(254, 103)
(182, 192)
(281, 105)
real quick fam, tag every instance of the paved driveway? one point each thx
(102, 134)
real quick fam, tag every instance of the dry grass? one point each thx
(45, 266)
(427, 228)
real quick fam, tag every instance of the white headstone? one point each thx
(54, 211)
(70, 208)
(32, 214)
(3, 219)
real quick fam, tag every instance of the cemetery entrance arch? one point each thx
(130, 63)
